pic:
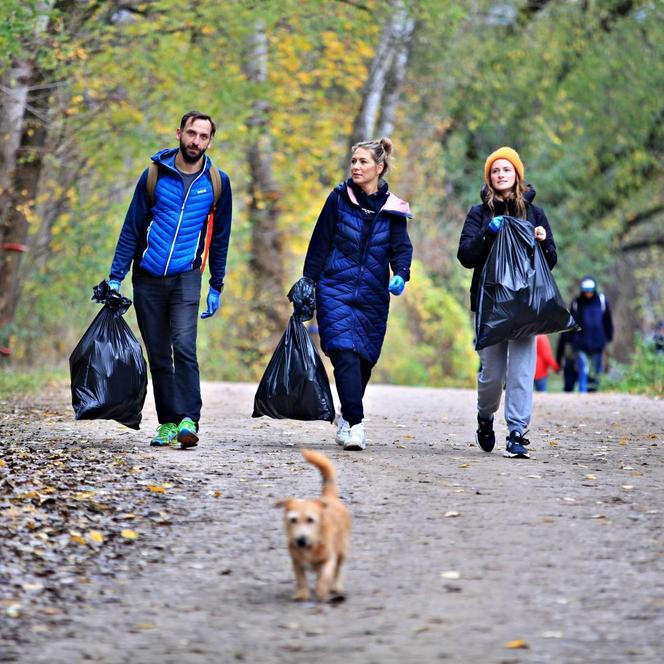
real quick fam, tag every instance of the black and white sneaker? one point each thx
(484, 436)
(516, 446)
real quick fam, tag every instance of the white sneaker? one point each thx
(357, 439)
(343, 431)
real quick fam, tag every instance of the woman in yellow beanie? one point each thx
(512, 362)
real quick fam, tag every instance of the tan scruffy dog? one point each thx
(318, 533)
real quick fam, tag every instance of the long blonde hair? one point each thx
(516, 195)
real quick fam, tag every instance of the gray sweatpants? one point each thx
(511, 363)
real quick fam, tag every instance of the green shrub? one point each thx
(15, 383)
(429, 338)
(643, 375)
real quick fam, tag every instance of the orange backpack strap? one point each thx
(215, 176)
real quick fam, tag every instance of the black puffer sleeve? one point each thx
(548, 245)
(475, 241)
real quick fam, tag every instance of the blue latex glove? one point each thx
(495, 224)
(213, 301)
(397, 284)
(114, 284)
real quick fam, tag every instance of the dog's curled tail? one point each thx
(326, 470)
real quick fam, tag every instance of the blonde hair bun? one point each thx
(387, 145)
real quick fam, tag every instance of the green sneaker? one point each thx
(166, 435)
(187, 436)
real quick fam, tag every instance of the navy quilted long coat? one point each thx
(352, 299)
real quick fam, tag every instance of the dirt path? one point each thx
(456, 554)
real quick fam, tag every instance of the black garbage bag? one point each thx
(108, 372)
(303, 296)
(295, 384)
(517, 295)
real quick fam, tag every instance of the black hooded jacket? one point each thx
(476, 240)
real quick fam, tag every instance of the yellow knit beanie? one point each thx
(504, 153)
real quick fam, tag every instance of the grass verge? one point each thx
(21, 382)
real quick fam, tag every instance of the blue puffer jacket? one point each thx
(178, 218)
(169, 238)
(352, 299)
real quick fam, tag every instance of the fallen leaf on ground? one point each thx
(450, 574)
(145, 626)
(517, 644)
(13, 611)
(129, 534)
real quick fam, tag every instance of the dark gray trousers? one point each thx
(167, 314)
(511, 363)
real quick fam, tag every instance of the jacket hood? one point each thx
(529, 194)
(392, 204)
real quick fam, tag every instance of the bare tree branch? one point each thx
(356, 5)
(643, 215)
(646, 243)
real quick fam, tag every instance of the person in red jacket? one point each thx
(544, 361)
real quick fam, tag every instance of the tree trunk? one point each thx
(386, 74)
(27, 111)
(404, 30)
(266, 263)
(22, 159)
(622, 292)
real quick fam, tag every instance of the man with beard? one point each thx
(166, 235)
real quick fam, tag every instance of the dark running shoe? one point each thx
(484, 436)
(516, 446)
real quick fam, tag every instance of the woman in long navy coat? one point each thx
(361, 234)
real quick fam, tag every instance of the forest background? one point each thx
(90, 89)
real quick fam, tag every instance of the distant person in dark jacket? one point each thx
(512, 362)
(566, 358)
(592, 312)
(361, 234)
(163, 240)
(658, 338)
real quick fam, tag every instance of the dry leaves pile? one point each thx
(69, 514)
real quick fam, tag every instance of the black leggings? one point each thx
(351, 373)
